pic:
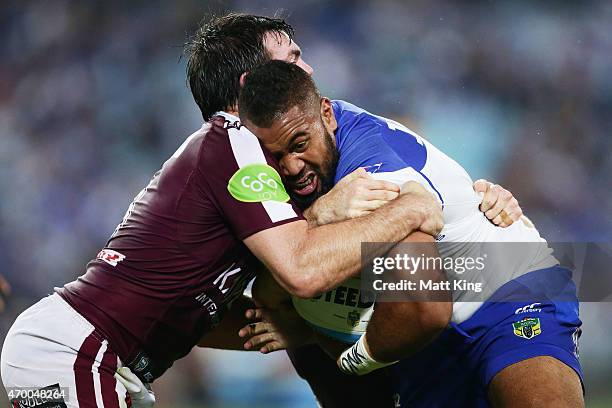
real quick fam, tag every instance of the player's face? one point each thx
(280, 47)
(303, 142)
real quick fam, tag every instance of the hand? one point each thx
(424, 207)
(141, 394)
(355, 195)
(275, 330)
(498, 204)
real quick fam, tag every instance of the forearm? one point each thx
(387, 343)
(322, 212)
(307, 261)
(225, 336)
(401, 327)
(330, 254)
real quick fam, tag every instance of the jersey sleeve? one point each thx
(243, 180)
(386, 149)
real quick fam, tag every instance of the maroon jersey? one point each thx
(177, 259)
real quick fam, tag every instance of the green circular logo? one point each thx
(257, 183)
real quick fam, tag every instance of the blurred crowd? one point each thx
(93, 99)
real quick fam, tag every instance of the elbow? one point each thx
(304, 289)
(302, 282)
(305, 293)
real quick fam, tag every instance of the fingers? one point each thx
(261, 335)
(482, 185)
(359, 173)
(381, 195)
(490, 197)
(373, 184)
(254, 314)
(129, 380)
(412, 187)
(500, 206)
(511, 213)
(370, 189)
(253, 329)
(369, 195)
(260, 340)
(503, 219)
(499, 197)
(271, 346)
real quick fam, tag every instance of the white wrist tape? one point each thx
(357, 361)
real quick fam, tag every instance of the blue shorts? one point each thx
(541, 319)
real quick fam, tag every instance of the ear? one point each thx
(243, 78)
(327, 114)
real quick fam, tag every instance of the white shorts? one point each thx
(49, 344)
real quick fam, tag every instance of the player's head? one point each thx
(280, 103)
(226, 47)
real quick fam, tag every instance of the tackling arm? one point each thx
(308, 261)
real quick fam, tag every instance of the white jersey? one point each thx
(390, 151)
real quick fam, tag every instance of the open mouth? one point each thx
(306, 185)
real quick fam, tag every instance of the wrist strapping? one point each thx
(357, 361)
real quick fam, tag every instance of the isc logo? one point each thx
(110, 257)
(532, 308)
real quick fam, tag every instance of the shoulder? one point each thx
(225, 142)
(348, 114)
(356, 126)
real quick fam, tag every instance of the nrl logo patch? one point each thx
(527, 328)
(257, 183)
(352, 318)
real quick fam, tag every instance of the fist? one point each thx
(425, 208)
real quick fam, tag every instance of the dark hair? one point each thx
(272, 89)
(221, 50)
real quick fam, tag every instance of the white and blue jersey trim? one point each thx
(378, 144)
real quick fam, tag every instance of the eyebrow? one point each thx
(278, 154)
(295, 136)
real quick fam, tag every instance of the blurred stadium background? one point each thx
(93, 99)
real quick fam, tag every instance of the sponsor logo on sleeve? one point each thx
(532, 308)
(373, 168)
(110, 257)
(257, 183)
(527, 328)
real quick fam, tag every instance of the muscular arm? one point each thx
(400, 329)
(396, 329)
(308, 261)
